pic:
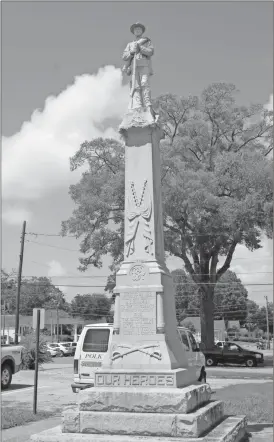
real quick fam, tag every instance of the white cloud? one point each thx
(56, 269)
(14, 216)
(36, 159)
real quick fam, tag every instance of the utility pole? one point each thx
(36, 362)
(51, 326)
(19, 283)
(4, 320)
(267, 323)
(57, 320)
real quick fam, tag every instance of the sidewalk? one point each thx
(258, 432)
(22, 434)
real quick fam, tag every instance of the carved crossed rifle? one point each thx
(142, 349)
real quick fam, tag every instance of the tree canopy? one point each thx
(36, 292)
(230, 297)
(216, 186)
(256, 317)
(91, 307)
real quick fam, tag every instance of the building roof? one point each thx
(234, 324)
(196, 321)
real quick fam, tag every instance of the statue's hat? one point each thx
(137, 25)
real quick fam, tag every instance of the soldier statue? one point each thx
(137, 56)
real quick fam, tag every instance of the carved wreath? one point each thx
(138, 272)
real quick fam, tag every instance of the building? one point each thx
(219, 328)
(53, 318)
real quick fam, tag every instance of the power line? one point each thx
(205, 283)
(74, 236)
(54, 247)
(173, 274)
(48, 234)
(68, 277)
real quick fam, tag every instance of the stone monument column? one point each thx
(145, 349)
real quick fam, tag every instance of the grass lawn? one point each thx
(21, 415)
(254, 401)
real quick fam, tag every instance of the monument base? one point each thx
(232, 429)
(146, 415)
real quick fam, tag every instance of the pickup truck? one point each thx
(232, 353)
(11, 359)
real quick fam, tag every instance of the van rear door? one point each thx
(93, 350)
(195, 358)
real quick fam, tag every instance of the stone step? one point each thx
(232, 429)
(144, 424)
(143, 400)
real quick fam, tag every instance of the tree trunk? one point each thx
(207, 317)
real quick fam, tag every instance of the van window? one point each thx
(184, 338)
(193, 342)
(96, 340)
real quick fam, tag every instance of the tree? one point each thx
(230, 297)
(256, 318)
(216, 185)
(36, 292)
(91, 307)
(186, 295)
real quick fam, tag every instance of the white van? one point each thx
(93, 344)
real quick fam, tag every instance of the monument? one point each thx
(145, 390)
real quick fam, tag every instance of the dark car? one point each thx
(232, 353)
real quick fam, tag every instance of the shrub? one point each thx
(243, 339)
(29, 347)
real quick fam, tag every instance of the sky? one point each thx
(62, 85)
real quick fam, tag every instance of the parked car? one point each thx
(232, 353)
(11, 359)
(54, 351)
(62, 348)
(65, 348)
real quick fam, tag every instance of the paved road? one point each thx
(55, 380)
(219, 371)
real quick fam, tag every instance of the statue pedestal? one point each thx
(146, 350)
(145, 389)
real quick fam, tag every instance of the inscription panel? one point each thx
(134, 380)
(138, 313)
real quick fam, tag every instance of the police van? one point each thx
(93, 345)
